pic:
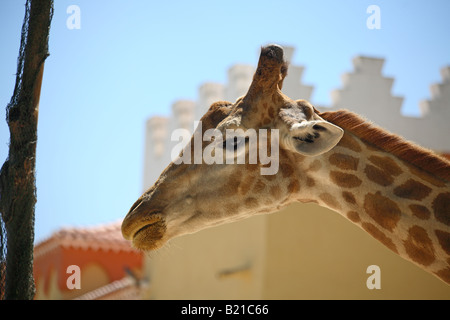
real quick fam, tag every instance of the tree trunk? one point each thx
(17, 176)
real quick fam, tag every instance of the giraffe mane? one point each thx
(420, 157)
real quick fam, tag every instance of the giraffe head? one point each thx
(193, 195)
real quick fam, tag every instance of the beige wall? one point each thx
(218, 263)
(317, 254)
(303, 252)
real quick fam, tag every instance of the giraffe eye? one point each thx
(235, 143)
(231, 143)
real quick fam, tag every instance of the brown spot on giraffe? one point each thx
(271, 112)
(441, 208)
(259, 186)
(344, 161)
(349, 197)
(426, 176)
(386, 164)
(420, 211)
(286, 169)
(251, 202)
(444, 274)
(330, 201)
(419, 246)
(251, 167)
(383, 210)
(345, 180)
(310, 182)
(378, 176)
(294, 186)
(383, 170)
(379, 235)
(413, 190)
(353, 216)
(230, 187)
(233, 207)
(444, 240)
(246, 184)
(315, 166)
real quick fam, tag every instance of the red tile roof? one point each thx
(105, 237)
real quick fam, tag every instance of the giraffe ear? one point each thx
(313, 137)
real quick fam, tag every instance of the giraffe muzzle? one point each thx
(145, 228)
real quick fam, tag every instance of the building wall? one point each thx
(98, 268)
(314, 253)
(218, 263)
(304, 251)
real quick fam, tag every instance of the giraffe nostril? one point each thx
(141, 213)
(135, 205)
(136, 221)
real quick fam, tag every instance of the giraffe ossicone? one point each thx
(396, 191)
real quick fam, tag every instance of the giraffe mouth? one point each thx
(145, 229)
(150, 236)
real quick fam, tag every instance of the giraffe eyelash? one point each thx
(235, 142)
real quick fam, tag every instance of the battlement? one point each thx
(239, 79)
(367, 92)
(208, 93)
(440, 95)
(368, 65)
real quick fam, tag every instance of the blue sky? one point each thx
(133, 59)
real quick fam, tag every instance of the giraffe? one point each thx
(396, 191)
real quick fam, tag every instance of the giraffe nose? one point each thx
(140, 215)
(127, 223)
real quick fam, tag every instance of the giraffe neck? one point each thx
(402, 206)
